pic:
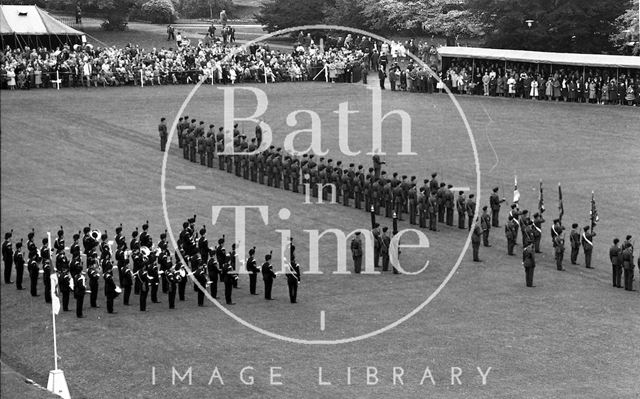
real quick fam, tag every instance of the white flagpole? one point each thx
(57, 383)
(58, 79)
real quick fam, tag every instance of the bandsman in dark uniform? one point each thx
(615, 254)
(268, 275)
(105, 250)
(153, 275)
(203, 245)
(134, 243)
(293, 280)
(461, 208)
(94, 281)
(145, 238)
(110, 291)
(471, 210)
(574, 239)
(494, 202)
(137, 261)
(7, 257)
(253, 270)
(587, 246)
(126, 282)
(79, 289)
(173, 276)
(18, 261)
(121, 260)
(46, 279)
(356, 251)
(200, 275)
(164, 134)
(32, 249)
(58, 244)
(34, 273)
(64, 280)
(89, 242)
(213, 271)
(558, 246)
(142, 280)
(485, 223)
(181, 277)
(529, 263)
(229, 276)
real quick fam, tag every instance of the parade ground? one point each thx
(79, 156)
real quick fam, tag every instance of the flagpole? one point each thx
(53, 313)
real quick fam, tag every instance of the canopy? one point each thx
(21, 25)
(540, 57)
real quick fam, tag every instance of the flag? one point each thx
(560, 204)
(516, 193)
(55, 300)
(540, 199)
(594, 212)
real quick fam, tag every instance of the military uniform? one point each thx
(356, 252)
(213, 271)
(79, 290)
(7, 257)
(476, 237)
(293, 279)
(268, 275)
(162, 131)
(471, 210)
(494, 203)
(615, 254)
(384, 249)
(558, 246)
(587, 246)
(461, 208)
(485, 223)
(529, 263)
(627, 265)
(509, 231)
(109, 287)
(574, 239)
(448, 204)
(18, 261)
(34, 271)
(537, 231)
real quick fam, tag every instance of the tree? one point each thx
(281, 14)
(558, 25)
(115, 11)
(204, 8)
(159, 11)
(346, 13)
(626, 37)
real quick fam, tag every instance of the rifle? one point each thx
(560, 203)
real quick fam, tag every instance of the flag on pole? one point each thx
(516, 193)
(560, 204)
(540, 199)
(594, 212)
(55, 300)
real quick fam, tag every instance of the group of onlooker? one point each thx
(529, 81)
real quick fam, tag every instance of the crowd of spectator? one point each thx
(337, 59)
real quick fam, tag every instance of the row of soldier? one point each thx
(151, 268)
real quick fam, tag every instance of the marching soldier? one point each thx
(485, 223)
(46, 279)
(448, 204)
(494, 202)
(587, 246)
(94, 281)
(109, 286)
(462, 209)
(34, 271)
(79, 290)
(229, 277)
(558, 245)
(213, 271)
(293, 279)
(615, 254)
(574, 239)
(627, 265)
(7, 257)
(476, 236)
(471, 210)
(252, 268)
(18, 261)
(162, 131)
(537, 230)
(356, 251)
(529, 263)
(509, 231)
(268, 275)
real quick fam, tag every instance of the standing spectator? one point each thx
(171, 33)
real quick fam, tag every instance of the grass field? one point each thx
(75, 157)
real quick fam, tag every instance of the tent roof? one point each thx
(539, 57)
(31, 20)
